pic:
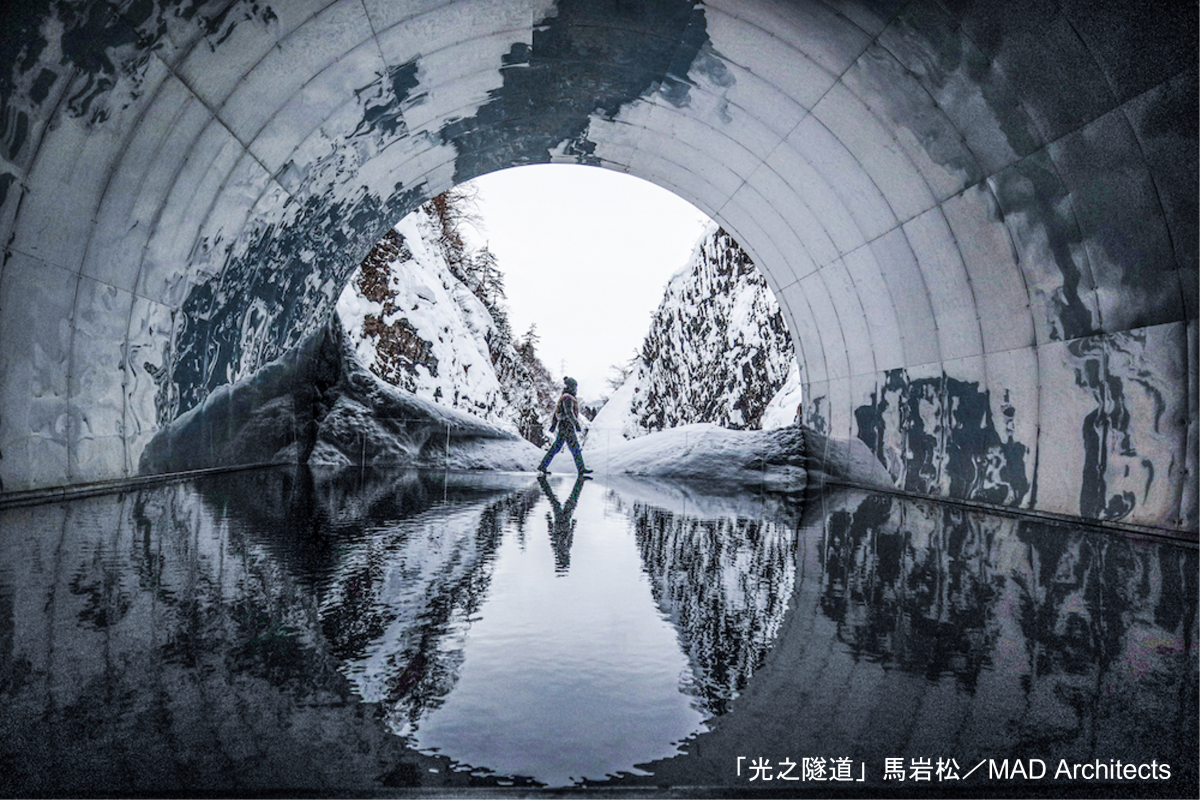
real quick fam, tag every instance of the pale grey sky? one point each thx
(586, 254)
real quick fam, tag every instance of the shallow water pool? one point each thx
(298, 631)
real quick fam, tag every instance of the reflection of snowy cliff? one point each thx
(724, 582)
(401, 602)
(156, 646)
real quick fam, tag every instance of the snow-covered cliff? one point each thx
(415, 325)
(717, 352)
(424, 315)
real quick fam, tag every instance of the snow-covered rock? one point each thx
(717, 350)
(416, 326)
(414, 322)
(317, 404)
(704, 452)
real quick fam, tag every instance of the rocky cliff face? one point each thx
(425, 315)
(717, 350)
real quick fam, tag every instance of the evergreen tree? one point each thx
(619, 373)
(489, 280)
(453, 210)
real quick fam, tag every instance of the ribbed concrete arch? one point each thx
(980, 219)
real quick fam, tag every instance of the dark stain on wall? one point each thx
(1166, 121)
(1109, 427)
(264, 298)
(7, 179)
(385, 99)
(952, 446)
(934, 48)
(23, 42)
(1033, 190)
(588, 58)
(90, 47)
(101, 43)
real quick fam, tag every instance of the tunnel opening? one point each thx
(576, 270)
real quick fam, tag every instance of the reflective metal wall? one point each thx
(980, 219)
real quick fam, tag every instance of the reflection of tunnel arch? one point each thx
(980, 222)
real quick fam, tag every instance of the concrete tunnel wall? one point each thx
(980, 219)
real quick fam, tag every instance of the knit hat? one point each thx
(570, 384)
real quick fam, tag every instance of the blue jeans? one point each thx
(566, 435)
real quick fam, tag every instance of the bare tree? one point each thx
(619, 373)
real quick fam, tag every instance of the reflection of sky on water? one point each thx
(566, 675)
(276, 629)
(539, 635)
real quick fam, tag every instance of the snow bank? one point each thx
(788, 458)
(614, 421)
(781, 411)
(767, 459)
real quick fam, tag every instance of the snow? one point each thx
(352, 309)
(436, 331)
(703, 451)
(374, 422)
(615, 421)
(784, 459)
(781, 411)
(445, 314)
(716, 349)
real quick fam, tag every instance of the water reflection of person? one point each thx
(562, 527)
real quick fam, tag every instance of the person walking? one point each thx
(566, 423)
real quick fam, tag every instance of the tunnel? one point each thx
(979, 218)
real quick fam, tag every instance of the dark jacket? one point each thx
(567, 411)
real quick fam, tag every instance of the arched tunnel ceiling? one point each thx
(980, 219)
